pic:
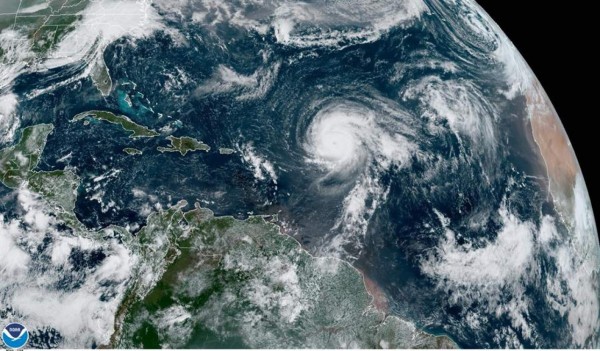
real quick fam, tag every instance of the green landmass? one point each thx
(101, 77)
(235, 284)
(132, 151)
(226, 151)
(17, 161)
(17, 164)
(183, 145)
(137, 131)
(57, 187)
(44, 26)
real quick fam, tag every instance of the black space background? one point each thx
(556, 38)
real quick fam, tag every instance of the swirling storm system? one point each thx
(255, 173)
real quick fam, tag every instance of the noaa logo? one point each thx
(15, 336)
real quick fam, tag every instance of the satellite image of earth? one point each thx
(285, 174)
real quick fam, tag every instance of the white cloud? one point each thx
(498, 273)
(9, 122)
(252, 86)
(327, 23)
(481, 274)
(578, 261)
(17, 53)
(79, 302)
(13, 259)
(505, 259)
(458, 102)
(259, 165)
(102, 23)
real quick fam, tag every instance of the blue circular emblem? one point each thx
(15, 336)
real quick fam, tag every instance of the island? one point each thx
(226, 151)
(183, 145)
(137, 131)
(132, 151)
